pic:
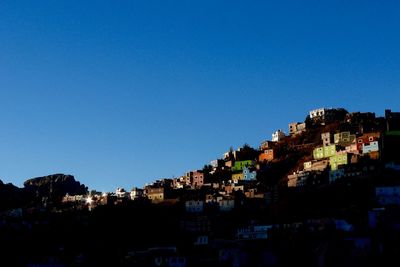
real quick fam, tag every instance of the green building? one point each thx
(324, 152)
(344, 138)
(336, 160)
(239, 165)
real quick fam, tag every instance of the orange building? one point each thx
(266, 155)
(374, 155)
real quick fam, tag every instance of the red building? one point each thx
(367, 138)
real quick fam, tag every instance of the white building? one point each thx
(371, 147)
(121, 193)
(278, 136)
(320, 112)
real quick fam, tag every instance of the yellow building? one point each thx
(237, 176)
(324, 152)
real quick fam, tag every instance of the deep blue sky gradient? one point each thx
(120, 93)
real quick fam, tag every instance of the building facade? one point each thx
(249, 175)
(324, 152)
(237, 177)
(326, 139)
(278, 136)
(155, 194)
(266, 155)
(337, 160)
(367, 138)
(317, 113)
(136, 193)
(344, 138)
(195, 178)
(296, 128)
(239, 165)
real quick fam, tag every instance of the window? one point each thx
(371, 138)
(360, 141)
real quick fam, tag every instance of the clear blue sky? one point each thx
(120, 93)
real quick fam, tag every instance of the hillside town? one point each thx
(323, 192)
(350, 145)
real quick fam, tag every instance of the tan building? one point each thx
(296, 128)
(316, 165)
(266, 145)
(155, 194)
(326, 139)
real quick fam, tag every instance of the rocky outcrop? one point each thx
(54, 186)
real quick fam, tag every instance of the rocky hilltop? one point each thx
(54, 186)
(38, 190)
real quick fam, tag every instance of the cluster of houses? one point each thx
(340, 152)
(336, 155)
